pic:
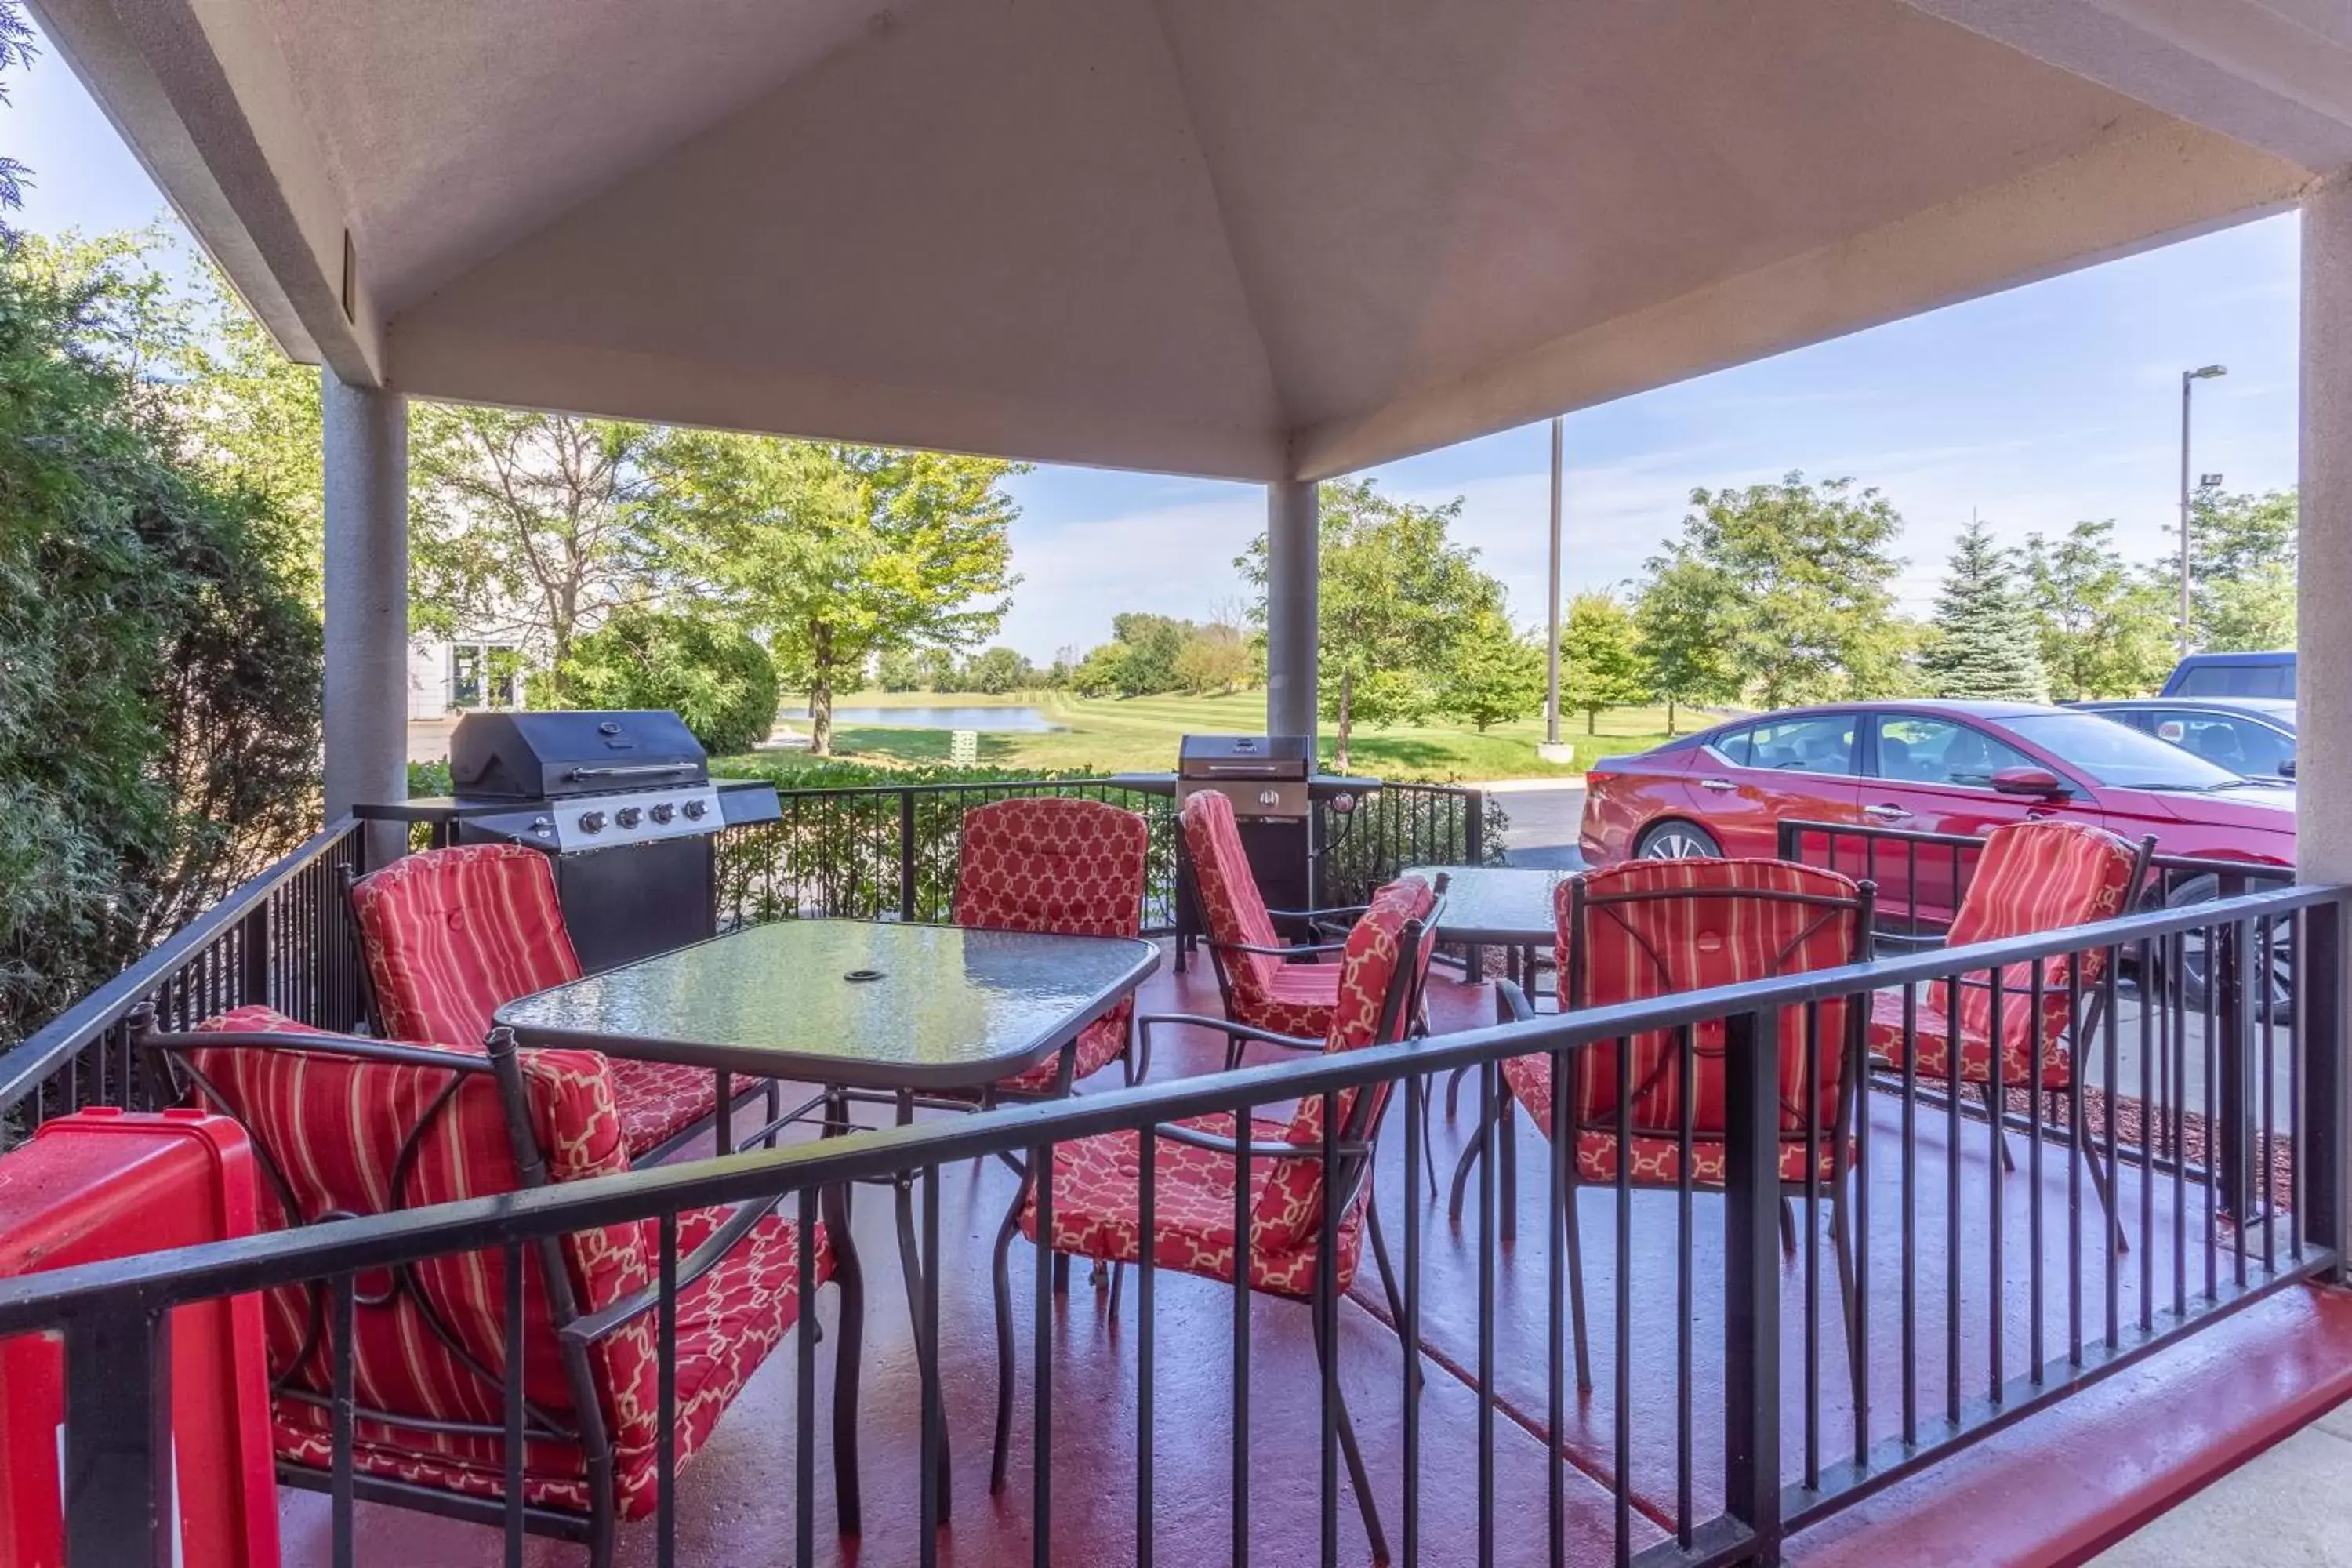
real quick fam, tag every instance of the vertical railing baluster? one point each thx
(1624, 1335)
(1685, 1305)
(1997, 1120)
(1041, 1375)
(2036, 1075)
(516, 1435)
(1416, 1099)
(1910, 1237)
(2267, 1154)
(1146, 1285)
(116, 1449)
(1241, 1442)
(935, 1436)
(344, 1317)
(1488, 1231)
(665, 1391)
(2153, 982)
(1808, 1052)
(1327, 1332)
(1751, 1265)
(1952, 1262)
(804, 1248)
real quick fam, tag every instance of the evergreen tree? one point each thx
(1986, 642)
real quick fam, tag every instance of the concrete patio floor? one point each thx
(736, 1498)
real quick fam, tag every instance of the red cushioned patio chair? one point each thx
(343, 1126)
(1264, 987)
(1651, 929)
(452, 935)
(2032, 878)
(1072, 866)
(1097, 1204)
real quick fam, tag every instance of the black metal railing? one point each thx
(283, 940)
(1743, 1386)
(884, 851)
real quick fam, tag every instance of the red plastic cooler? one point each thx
(106, 1183)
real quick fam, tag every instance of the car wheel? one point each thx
(1678, 841)
(2275, 1002)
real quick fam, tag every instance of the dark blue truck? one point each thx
(2232, 675)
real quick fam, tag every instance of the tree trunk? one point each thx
(1593, 720)
(821, 690)
(1670, 718)
(1346, 691)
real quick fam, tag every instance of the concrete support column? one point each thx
(366, 695)
(1292, 568)
(2322, 631)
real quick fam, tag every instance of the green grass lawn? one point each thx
(1122, 734)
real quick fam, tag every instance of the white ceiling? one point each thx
(1247, 238)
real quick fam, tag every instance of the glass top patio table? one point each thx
(1508, 906)
(854, 1003)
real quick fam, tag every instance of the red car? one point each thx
(1938, 767)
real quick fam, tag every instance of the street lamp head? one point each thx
(2208, 373)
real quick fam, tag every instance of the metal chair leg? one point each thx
(1381, 1259)
(1574, 1241)
(1787, 1226)
(1841, 1243)
(849, 1335)
(1468, 1163)
(1004, 1235)
(1506, 1157)
(926, 1350)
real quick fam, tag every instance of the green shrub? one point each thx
(159, 681)
(718, 680)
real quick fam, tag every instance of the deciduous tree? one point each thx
(833, 553)
(1681, 631)
(1493, 674)
(1599, 661)
(1215, 657)
(2242, 554)
(2103, 628)
(1804, 574)
(1395, 593)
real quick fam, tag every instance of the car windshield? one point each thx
(2108, 752)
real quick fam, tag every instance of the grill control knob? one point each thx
(628, 816)
(1269, 797)
(696, 810)
(663, 812)
(591, 822)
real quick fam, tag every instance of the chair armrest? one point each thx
(593, 1326)
(1299, 952)
(1144, 1021)
(1195, 1138)
(1515, 1001)
(1332, 913)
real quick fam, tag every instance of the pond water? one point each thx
(1022, 720)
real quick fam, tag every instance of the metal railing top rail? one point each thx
(153, 1281)
(1794, 826)
(28, 1065)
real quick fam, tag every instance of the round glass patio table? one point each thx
(893, 1010)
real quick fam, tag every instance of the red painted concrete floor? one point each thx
(736, 1498)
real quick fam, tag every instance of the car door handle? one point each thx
(1721, 786)
(1885, 813)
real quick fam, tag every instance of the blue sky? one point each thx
(2034, 409)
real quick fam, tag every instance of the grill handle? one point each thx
(637, 770)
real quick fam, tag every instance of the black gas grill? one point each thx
(1266, 777)
(624, 801)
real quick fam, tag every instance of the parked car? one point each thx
(2233, 675)
(1940, 767)
(2249, 735)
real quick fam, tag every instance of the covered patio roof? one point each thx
(1252, 240)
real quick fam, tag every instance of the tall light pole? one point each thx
(1552, 647)
(2188, 379)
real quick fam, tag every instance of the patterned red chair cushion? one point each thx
(1076, 867)
(453, 935)
(1657, 1162)
(1098, 1210)
(2032, 877)
(1713, 923)
(333, 1129)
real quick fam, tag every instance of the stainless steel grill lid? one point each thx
(551, 756)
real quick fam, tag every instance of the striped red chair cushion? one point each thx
(453, 935)
(1717, 922)
(334, 1130)
(1267, 993)
(1053, 864)
(2033, 876)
